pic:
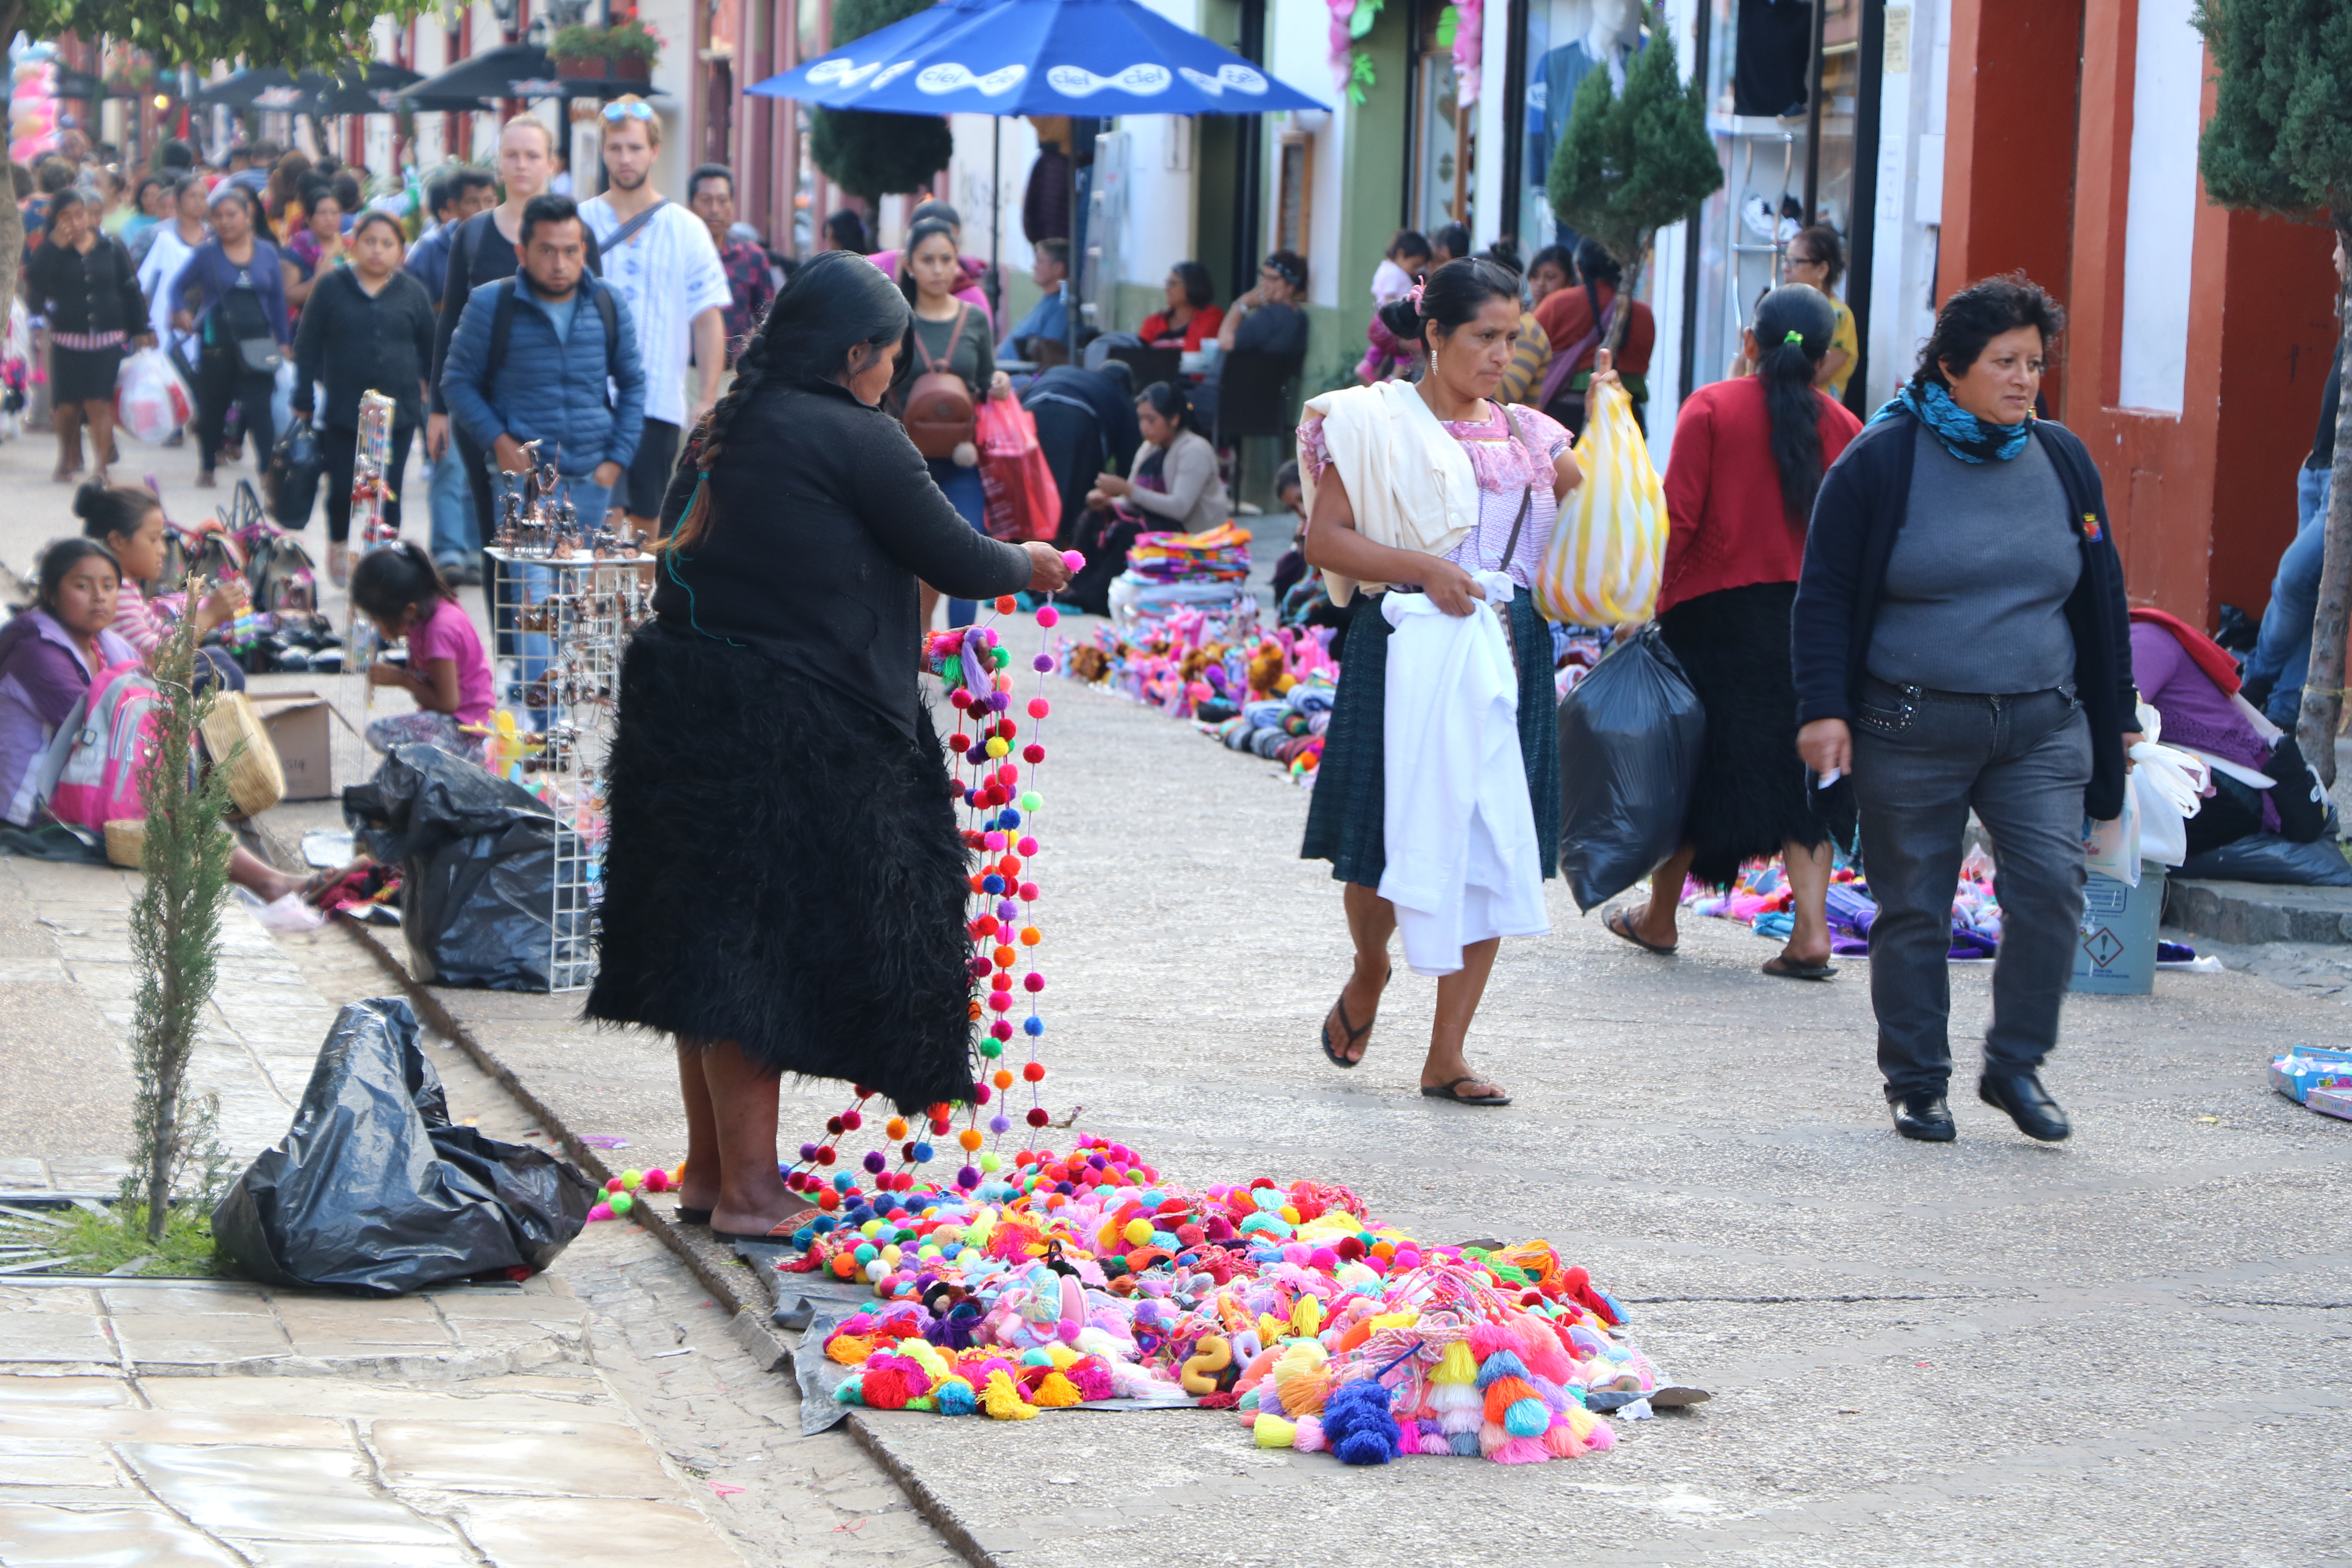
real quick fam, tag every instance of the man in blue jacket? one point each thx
(550, 355)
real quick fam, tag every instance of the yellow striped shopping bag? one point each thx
(1610, 544)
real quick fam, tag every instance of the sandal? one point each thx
(1453, 1091)
(778, 1235)
(1781, 967)
(685, 1215)
(1619, 924)
(1353, 1032)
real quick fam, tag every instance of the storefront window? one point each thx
(1442, 137)
(1566, 41)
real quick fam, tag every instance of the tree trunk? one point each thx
(1626, 284)
(2323, 684)
(166, 1133)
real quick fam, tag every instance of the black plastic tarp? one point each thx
(373, 1190)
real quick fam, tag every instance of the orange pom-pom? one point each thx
(1506, 1392)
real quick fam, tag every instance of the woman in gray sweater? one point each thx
(1176, 480)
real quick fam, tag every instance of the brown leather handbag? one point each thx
(938, 414)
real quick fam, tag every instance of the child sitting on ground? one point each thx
(447, 675)
(129, 522)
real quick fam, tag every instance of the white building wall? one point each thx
(1296, 51)
(2160, 222)
(1907, 222)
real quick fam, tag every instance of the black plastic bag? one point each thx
(478, 864)
(292, 477)
(2268, 857)
(372, 1191)
(1630, 739)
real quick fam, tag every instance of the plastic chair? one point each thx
(1150, 365)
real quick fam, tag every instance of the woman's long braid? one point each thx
(710, 443)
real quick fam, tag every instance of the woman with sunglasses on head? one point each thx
(82, 280)
(1960, 644)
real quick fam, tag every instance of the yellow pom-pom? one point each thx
(1273, 1432)
(1306, 1316)
(1271, 1330)
(1056, 1391)
(1289, 1213)
(1458, 1366)
(1063, 1357)
(1001, 1401)
(1138, 1232)
(998, 745)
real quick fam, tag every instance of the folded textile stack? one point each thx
(1270, 693)
(1220, 556)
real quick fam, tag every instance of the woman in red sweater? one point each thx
(1748, 457)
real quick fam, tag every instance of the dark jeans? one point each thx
(465, 450)
(341, 450)
(221, 380)
(1921, 760)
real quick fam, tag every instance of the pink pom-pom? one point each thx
(1435, 1445)
(600, 1211)
(1309, 1438)
(656, 1180)
(1521, 1451)
(1488, 1337)
(1602, 1438)
(1047, 616)
(1074, 561)
(1323, 1257)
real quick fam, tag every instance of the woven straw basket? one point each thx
(257, 780)
(126, 842)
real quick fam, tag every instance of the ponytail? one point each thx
(386, 580)
(1793, 327)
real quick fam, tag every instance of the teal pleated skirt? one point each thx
(1345, 821)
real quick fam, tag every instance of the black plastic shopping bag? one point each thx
(373, 1190)
(1629, 738)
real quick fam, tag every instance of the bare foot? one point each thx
(1358, 1004)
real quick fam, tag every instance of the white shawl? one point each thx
(1411, 483)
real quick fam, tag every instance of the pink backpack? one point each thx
(89, 776)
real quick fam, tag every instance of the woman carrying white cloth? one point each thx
(1426, 503)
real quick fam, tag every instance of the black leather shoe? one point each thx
(1925, 1117)
(2028, 1103)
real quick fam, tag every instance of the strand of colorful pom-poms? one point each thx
(1002, 807)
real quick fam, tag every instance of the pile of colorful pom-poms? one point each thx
(1083, 1277)
(1269, 694)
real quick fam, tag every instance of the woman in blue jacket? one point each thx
(233, 295)
(1960, 641)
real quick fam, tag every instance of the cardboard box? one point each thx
(2332, 1102)
(300, 725)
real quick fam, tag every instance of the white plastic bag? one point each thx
(2110, 849)
(281, 399)
(2169, 786)
(151, 401)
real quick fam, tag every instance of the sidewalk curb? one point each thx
(748, 1324)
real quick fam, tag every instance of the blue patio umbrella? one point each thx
(1095, 57)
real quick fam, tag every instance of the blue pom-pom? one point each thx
(1008, 817)
(1033, 1025)
(992, 883)
(822, 1224)
(1463, 1444)
(956, 1398)
(844, 1181)
(1500, 1366)
(1364, 1449)
(1527, 1419)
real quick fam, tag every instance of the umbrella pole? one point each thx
(996, 218)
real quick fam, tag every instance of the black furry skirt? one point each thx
(783, 871)
(1752, 793)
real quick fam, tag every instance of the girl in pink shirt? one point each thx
(447, 674)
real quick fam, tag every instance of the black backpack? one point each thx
(502, 327)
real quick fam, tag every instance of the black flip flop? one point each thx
(1616, 925)
(1453, 1091)
(685, 1215)
(1323, 1036)
(1781, 967)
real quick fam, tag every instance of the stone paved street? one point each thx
(2129, 1348)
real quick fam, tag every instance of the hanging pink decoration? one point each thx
(1343, 43)
(1469, 25)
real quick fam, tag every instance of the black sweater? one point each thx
(479, 254)
(93, 291)
(824, 516)
(357, 343)
(1864, 498)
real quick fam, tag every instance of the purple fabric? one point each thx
(41, 679)
(2194, 709)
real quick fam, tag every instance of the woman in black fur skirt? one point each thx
(784, 884)
(1748, 457)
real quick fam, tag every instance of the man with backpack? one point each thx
(532, 358)
(484, 248)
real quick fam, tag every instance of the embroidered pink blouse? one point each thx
(1506, 470)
